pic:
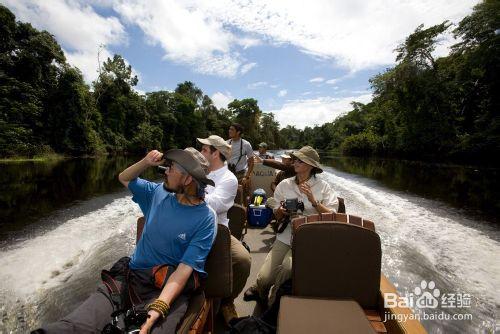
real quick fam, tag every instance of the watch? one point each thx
(316, 203)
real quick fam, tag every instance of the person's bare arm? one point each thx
(250, 168)
(169, 293)
(274, 164)
(153, 158)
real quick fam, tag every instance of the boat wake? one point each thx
(427, 240)
(44, 277)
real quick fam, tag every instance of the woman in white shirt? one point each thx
(317, 196)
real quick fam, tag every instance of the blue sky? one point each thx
(303, 61)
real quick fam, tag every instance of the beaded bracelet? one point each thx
(159, 306)
(161, 311)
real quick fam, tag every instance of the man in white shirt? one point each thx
(221, 199)
(241, 160)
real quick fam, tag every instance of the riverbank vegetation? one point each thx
(423, 108)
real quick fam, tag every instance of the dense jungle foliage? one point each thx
(422, 108)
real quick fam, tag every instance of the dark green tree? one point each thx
(122, 109)
(247, 113)
(269, 131)
(72, 121)
(30, 61)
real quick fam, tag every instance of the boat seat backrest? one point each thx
(333, 216)
(140, 227)
(237, 216)
(341, 208)
(219, 282)
(239, 195)
(336, 260)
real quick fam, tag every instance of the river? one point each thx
(62, 222)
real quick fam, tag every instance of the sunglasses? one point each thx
(169, 165)
(298, 161)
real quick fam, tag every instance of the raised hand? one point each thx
(306, 190)
(154, 158)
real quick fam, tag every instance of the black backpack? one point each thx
(267, 322)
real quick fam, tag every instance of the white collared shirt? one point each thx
(221, 197)
(288, 189)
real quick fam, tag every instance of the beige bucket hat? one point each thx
(308, 155)
(218, 143)
(195, 164)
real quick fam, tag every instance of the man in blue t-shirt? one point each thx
(179, 231)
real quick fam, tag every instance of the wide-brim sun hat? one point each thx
(308, 155)
(218, 143)
(192, 163)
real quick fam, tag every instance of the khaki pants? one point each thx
(277, 268)
(241, 262)
(246, 188)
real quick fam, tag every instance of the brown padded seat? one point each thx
(236, 216)
(337, 261)
(195, 308)
(219, 282)
(300, 315)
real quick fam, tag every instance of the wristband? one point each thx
(159, 306)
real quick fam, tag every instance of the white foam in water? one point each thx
(457, 246)
(458, 249)
(48, 259)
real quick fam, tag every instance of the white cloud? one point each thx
(209, 36)
(274, 86)
(332, 81)
(246, 42)
(257, 84)
(221, 100)
(187, 34)
(354, 34)
(76, 26)
(310, 112)
(282, 92)
(317, 79)
(247, 67)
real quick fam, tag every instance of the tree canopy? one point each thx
(423, 108)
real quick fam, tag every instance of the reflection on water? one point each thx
(472, 189)
(32, 190)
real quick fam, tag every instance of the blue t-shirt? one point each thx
(174, 233)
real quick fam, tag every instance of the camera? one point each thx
(132, 319)
(163, 168)
(293, 205)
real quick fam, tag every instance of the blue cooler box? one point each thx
(259, 215)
